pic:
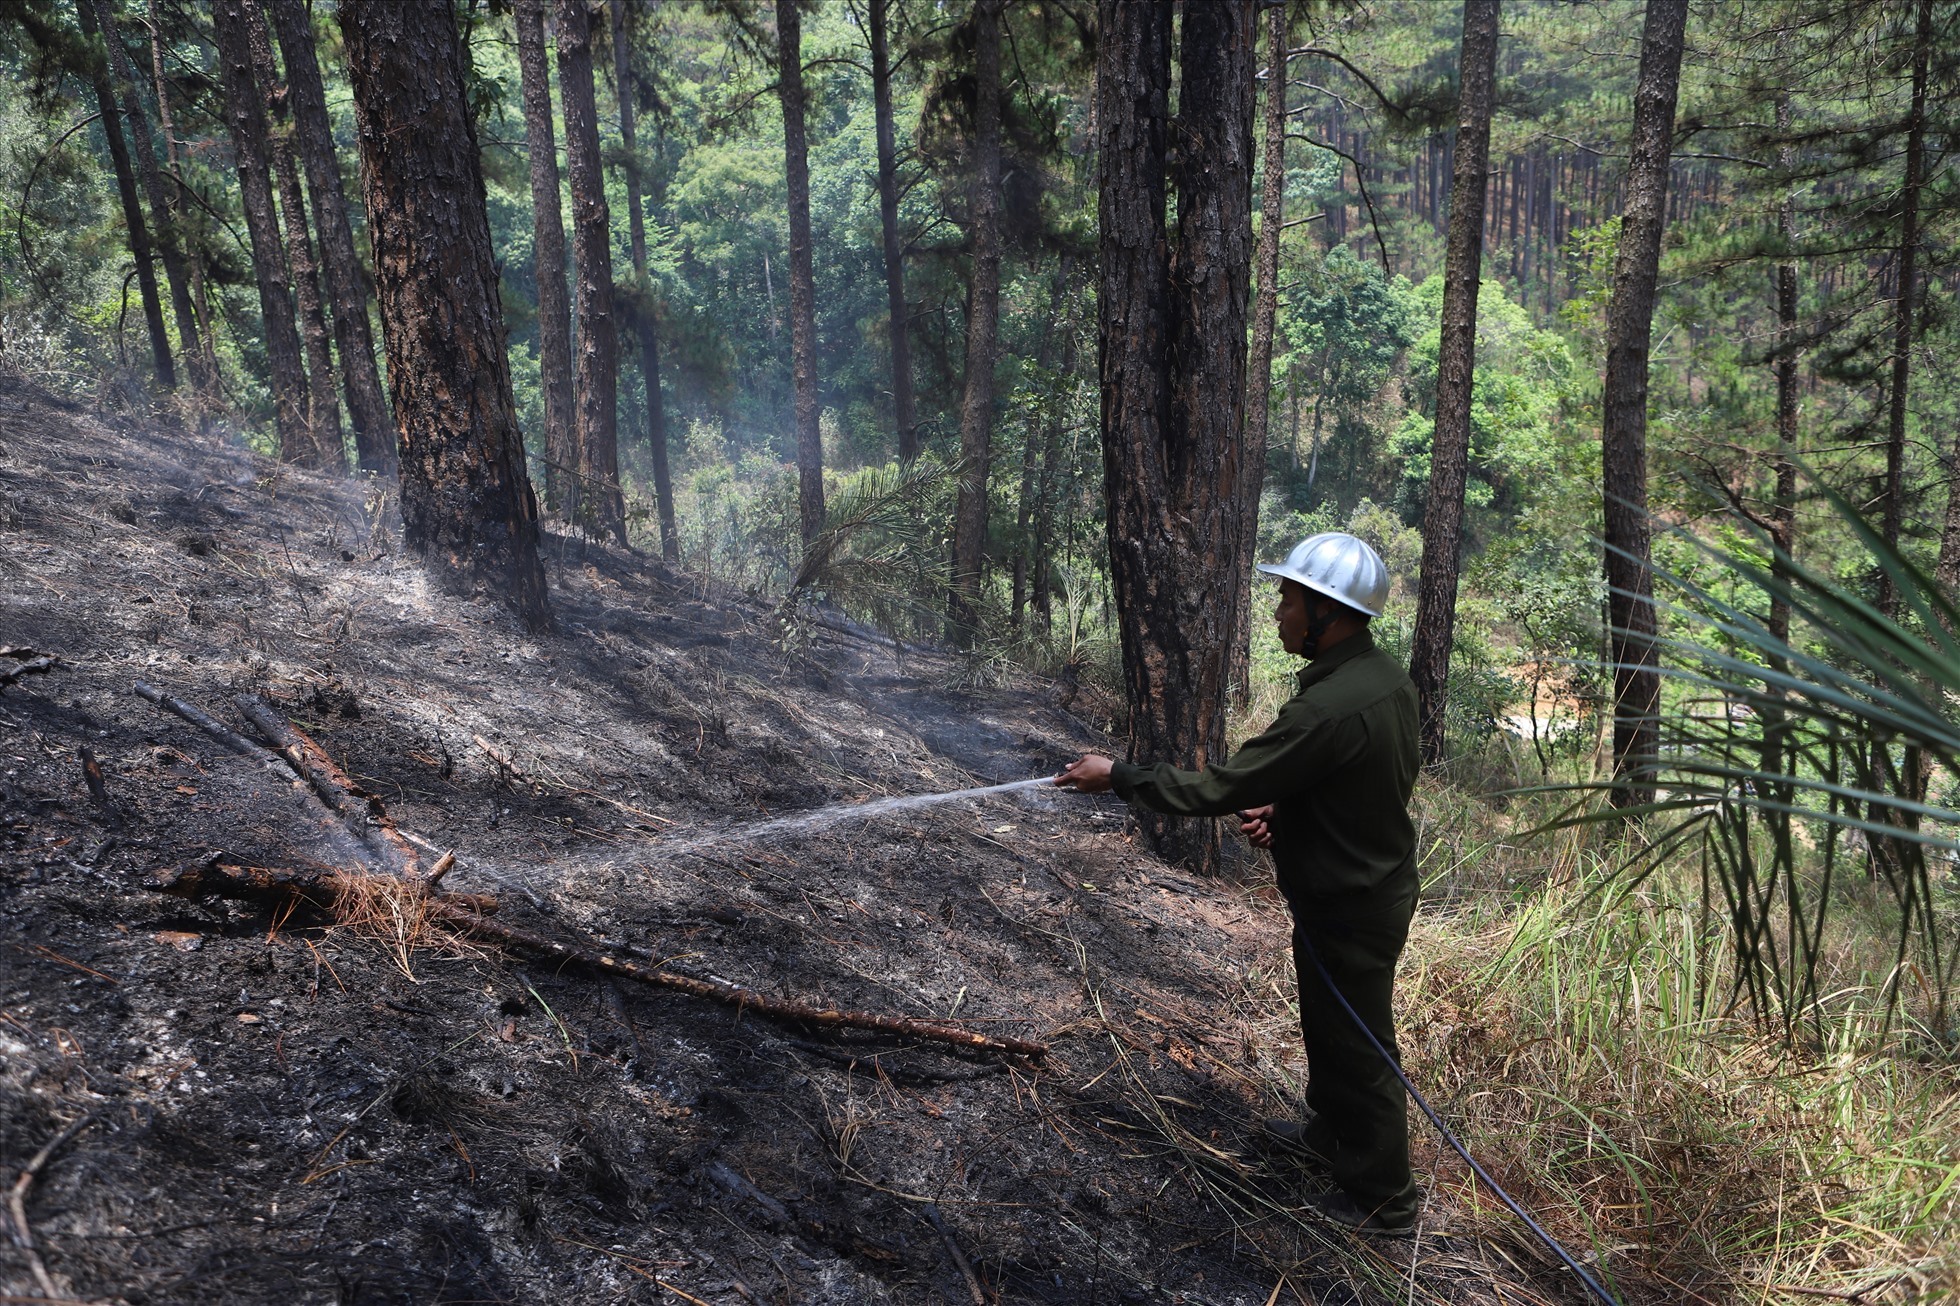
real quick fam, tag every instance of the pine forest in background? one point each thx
(816, 307)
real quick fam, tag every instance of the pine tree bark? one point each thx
(1623, 429)
(168, 248)
(1783, 463)
(1456, 364)
(245, 118)
(598, 503)
(207, 369)
(1171, 332)
(340, 265)
(140, 247)
(548, 265)
(645, 322)
(905, 421)
(1041, 565)
(1025, 508)
(467, 507)
(322, 400)
(1265, 315)
(802, 276)
(1905, 307)
(982, 331)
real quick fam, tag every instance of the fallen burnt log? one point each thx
(324, 887)
(469, 915)
(210, 725)
(731, 994)
(28, 663)
(345, 847)
(361, 810)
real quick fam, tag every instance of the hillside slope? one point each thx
(291, 1109)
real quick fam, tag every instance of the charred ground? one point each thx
(286, 1108)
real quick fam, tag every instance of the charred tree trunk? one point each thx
(982, 330)
(466, 502)
(168, 249)
(905, 421)
(1172, 343)
(802, 277)
(599, 505)
(1905, 309)
(1456, 364)
(340, 265)
(139, 229)
(1265, 314)
(322, 402)
(1623, 430)
(245, 116)
(548, 263)
(642, 314)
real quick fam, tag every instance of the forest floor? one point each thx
(288, 1108)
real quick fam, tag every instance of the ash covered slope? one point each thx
(293, 1111)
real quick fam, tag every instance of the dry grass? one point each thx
(1581, 1039)
(1248, 1054)
(395, 915)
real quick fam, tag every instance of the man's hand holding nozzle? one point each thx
(1088, 774)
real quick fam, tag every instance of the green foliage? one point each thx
(1346, 326)
(866, 558)
(1519, 444)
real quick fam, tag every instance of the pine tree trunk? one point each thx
(548, 265)
(1456, 364)
(1172, 342)
(1514, 180)
(802, 276)
(322, 402)
(207, 370)
(466, 502)
(340, 265)
(645, 323)
(1265, 314)
(245, 117)
(1528, 230)
(1905, 306)
(1783, 503)
(982, 330)
(168, 249)
(132, 207)
(1041, 564)
(598, 503)
(1623, 431)
(1031, 447)
(905, 419)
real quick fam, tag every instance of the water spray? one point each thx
(823, 818)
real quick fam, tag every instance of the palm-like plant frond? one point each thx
(1787, 755)
(879, 527)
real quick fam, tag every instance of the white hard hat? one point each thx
(1337, 565)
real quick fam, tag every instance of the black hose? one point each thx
(1451, 1138)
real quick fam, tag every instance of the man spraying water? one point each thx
(1326, 787)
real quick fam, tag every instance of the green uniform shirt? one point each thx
(1338, 765)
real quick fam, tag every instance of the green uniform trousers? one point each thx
(1360, 1125)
